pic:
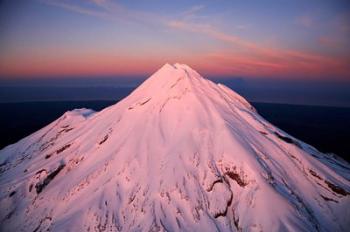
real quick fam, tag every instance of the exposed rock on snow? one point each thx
(180, 153)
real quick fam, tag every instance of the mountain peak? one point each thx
(168, 71)
(175, 66)
(183, 67)
(170, 80)
(179, 153)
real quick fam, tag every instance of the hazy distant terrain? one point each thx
(255, 90)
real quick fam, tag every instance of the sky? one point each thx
(281, 39)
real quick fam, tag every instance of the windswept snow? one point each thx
(180, 153)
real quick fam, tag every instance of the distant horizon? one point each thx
(295, 92)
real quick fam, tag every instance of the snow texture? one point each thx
(180, 153)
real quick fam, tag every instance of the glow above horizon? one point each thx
(284, 39)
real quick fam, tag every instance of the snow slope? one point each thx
(180, 153)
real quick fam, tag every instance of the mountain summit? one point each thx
(180, 153)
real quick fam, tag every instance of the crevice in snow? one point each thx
(110, 130)
(287, 139)
(328, 199)
(177, 81)
(45, 222)
(103, 140)
(41, 185)
(263, 132)
(236, 177)
(315, 174)
(140, 103)
(12, 193)
(336, 189)
(176, 97)
(58, 151)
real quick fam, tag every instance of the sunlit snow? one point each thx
(180, 153)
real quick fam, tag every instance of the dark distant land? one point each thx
(326, 128)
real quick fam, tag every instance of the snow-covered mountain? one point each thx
(180, 153)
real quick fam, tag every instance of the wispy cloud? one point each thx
(247, 56)
(76, 8)
(107, 9)
(192, 13)
(234, 40)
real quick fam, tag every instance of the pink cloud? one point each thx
(246, 58)
(269, 60)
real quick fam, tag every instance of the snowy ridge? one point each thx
(180, 153)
